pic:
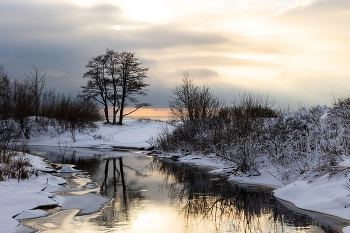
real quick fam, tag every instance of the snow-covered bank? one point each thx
(325, 195)
(18, 198)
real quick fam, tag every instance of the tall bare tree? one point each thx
(116, 78)
(36, 82)
(112, 67)
(97, 87)
(132, 82)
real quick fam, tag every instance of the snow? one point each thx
(83, 203)
(325, 195)
(18, 198)
(133, 133)
(67, 169)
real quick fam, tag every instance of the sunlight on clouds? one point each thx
(148, 11)
(163, 11)
(258, 57)
(83, 3)
(253, 73)
(303, 2)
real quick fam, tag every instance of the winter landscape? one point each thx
(174, 116)
(301, 154)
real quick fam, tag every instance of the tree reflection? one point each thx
(204, 198)
(125, 194)
(179, 196)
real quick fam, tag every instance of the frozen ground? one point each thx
(18, 198)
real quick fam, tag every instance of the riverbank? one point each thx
(323, 195)
(35, 197)
(18, 198)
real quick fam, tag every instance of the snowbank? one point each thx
(324, 195)
(18, 198)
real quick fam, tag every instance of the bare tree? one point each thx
(112, 67)
(97, 87)
(36, 82)
(23, 105)
(132, 83)
(116, 78)
(5, 94)
(191, 102)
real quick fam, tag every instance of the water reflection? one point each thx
(224, 207)
(202, 202)
(152, 195)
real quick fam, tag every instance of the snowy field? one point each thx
(133, 133)
(18, 198)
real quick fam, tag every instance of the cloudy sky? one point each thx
(296, 50)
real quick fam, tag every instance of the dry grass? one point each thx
(15, 165)
(148, 119)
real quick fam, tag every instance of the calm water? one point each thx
(152, 195)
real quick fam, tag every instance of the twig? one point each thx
(277, 178)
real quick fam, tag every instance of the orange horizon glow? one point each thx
(146, 111)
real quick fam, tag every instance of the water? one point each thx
(152, 195)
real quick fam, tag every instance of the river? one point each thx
(147, 194)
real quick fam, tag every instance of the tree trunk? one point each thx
(122, 107)
(106, 112)
(114, 115)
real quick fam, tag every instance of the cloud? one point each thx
(201, 73)
(300, 53)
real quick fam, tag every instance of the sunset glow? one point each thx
(148, 112)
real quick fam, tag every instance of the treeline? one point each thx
(31, 106)
(251, 135)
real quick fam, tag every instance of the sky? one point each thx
(297, 51)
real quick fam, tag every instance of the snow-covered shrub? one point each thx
(302, 144)
(295, 142)
(235, 133)
(13, 164)
(166, 140)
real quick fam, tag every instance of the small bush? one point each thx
(15, 165)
